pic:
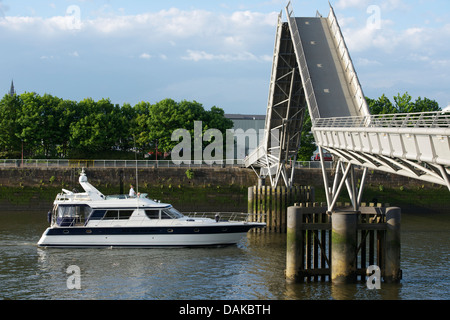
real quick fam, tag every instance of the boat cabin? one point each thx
(72, 215)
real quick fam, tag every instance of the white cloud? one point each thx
(196, 56)
(239, 30)
(364, 62)
(145, 56)
(361, 4)
(344, 4)
(38, 26)
(390, 38)
(3, 9)
(45, 57)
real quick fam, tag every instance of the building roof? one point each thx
(245, 116)
(11, 90)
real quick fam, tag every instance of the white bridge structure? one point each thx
(312, 70)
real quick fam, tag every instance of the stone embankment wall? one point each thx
(68, 177)
(37, 177)
(221, 188)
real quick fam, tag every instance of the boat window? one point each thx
(152, 214)
(71, 215)
(171, 213)
(125, 214)
(111, 215)
(117, 214)
(97, 215)
(165, 215)
(73, 211)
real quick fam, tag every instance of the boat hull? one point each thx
(168, 236)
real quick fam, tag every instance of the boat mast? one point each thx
(135, 158)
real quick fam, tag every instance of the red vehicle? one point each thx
(326, 157)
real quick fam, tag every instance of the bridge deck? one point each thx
(324, 80)
(327, 76)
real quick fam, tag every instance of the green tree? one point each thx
(10, 143)
(50, 130)
(215, 118)
(308, 145)
(402, 104)
(69, 114)
(381, 106)
(425, 105)
(167, 115)
(140, 126)
(29, 121)
(98, 127)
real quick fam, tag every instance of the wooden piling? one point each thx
(269, 205)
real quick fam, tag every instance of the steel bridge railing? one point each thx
(72, 163)
(397, 120)
(64, 163)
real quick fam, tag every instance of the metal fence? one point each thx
(66, 163)
(397, 120)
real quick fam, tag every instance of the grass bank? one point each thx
(187, 198)
(415, 199)
(228, 197)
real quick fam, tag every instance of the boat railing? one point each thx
(67, 222)
(73, 197)
(226, 216)
(125, 196)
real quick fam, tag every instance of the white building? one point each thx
(248, 132)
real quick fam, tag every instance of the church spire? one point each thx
(12, 92)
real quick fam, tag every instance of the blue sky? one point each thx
(215, 52)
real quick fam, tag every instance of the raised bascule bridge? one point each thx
(312, 71)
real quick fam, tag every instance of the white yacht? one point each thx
(91, 219)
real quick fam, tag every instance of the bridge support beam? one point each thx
(343, 175)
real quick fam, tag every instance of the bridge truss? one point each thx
(312, 71)
(285, 113)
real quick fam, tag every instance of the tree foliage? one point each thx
(50, 127)
(402, 104)
(307, 145)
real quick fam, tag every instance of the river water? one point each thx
(250, 270)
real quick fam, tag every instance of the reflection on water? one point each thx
(253, 269)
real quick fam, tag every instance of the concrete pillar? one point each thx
(393, 244)
(294, 245)
(343, 246)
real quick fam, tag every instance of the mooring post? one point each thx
(393, 240)
(294, 245)
(344, 246)
(250, 203)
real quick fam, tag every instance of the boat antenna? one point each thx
(135, 158)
